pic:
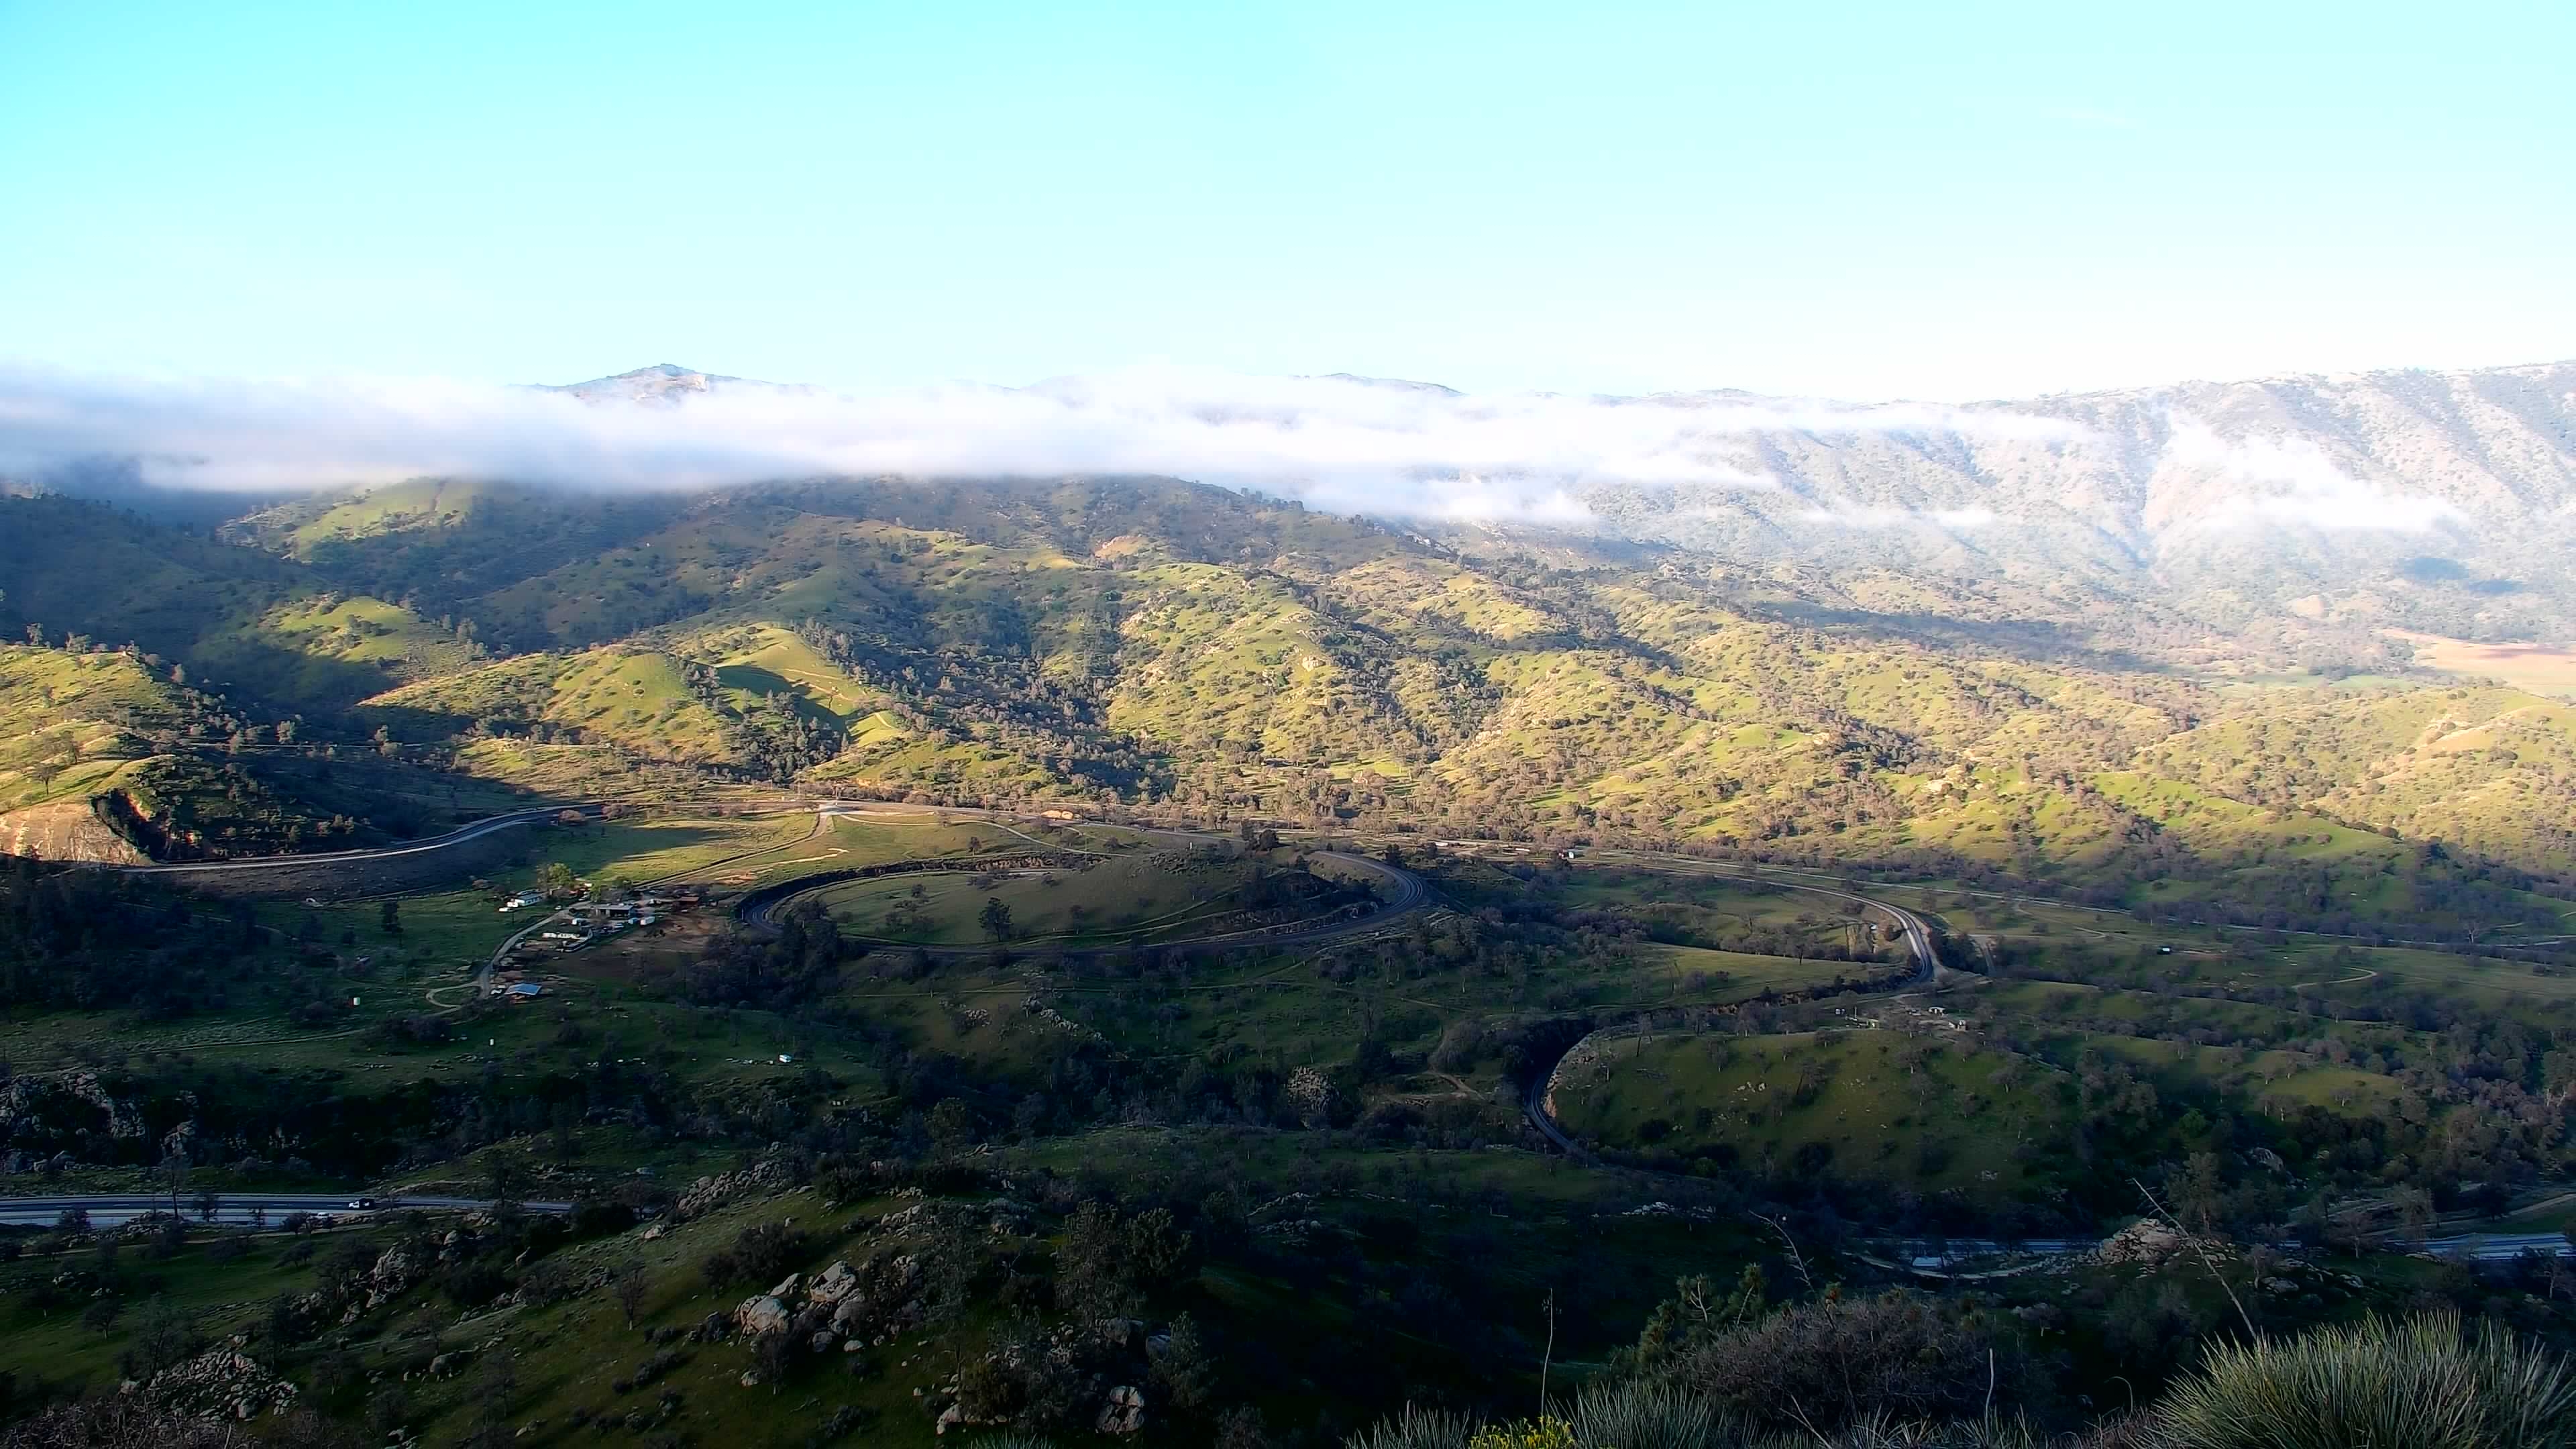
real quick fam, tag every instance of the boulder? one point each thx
(1124, 1412)
(833, 1284)
(761, 1314)
(2146, 1242)
(218, 1384)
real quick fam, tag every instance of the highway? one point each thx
(1405, 893)
(456, 837)
(512, 820)
(242, 1209)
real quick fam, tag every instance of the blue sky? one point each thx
(1937, 202)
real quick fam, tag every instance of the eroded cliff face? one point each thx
(66, 830)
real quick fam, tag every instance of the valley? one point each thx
(1314, 939)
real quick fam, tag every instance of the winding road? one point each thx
(236, 1209)
(459, 836)
(1918, 940)
(475, 830)
(1402, 893)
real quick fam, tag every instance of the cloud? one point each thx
(1351, 444)
(2292, 481)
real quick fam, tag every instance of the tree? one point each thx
(995, 918)
(389, 917)
(1184, 1371)
(173, 1173)
(629, 1288)
(558, 880)
(44, 772)
(952, 1125)
(504, 1174)
(492, 1399)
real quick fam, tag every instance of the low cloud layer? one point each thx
(1342, 443)
(2292, 481)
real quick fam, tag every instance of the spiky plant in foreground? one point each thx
(1646, 1415)
(1878, 1431)
(1416, 1428)
(2374, 1385)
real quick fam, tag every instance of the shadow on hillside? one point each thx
(2033, 641)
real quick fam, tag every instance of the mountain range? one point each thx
(1983, 641)
(2436, 501)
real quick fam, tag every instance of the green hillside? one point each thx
(174, 771)
(1145, 642)
(258, 627)
(73, 724)
(1930, 1114)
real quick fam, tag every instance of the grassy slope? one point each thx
(1091, 638)
(89, 715)
(638, 700)
(1928, 1114)
(258, 626)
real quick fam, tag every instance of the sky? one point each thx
(1872, 202)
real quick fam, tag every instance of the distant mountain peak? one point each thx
(663, 382)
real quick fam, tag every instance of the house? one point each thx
(522, 990)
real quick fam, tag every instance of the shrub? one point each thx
(1818, 1366)
(763, 1253)
(116, 1422)
(2421, 1384)
(1541, 1433)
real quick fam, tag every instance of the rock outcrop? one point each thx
(67, 830)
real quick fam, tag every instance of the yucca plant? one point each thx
(1416, 1428)
(2374, 1385)
(1013, 1440)
(1880, 1431)
(1647, 1415)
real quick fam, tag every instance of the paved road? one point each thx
(2499, 1247)
(2482, 1247)
(512, 820)
(1404, 894)
(456, 837)
(107, 1210)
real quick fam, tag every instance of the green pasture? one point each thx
(1109, 898)
(1930, 1112)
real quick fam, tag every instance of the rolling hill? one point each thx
(1151, 641)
